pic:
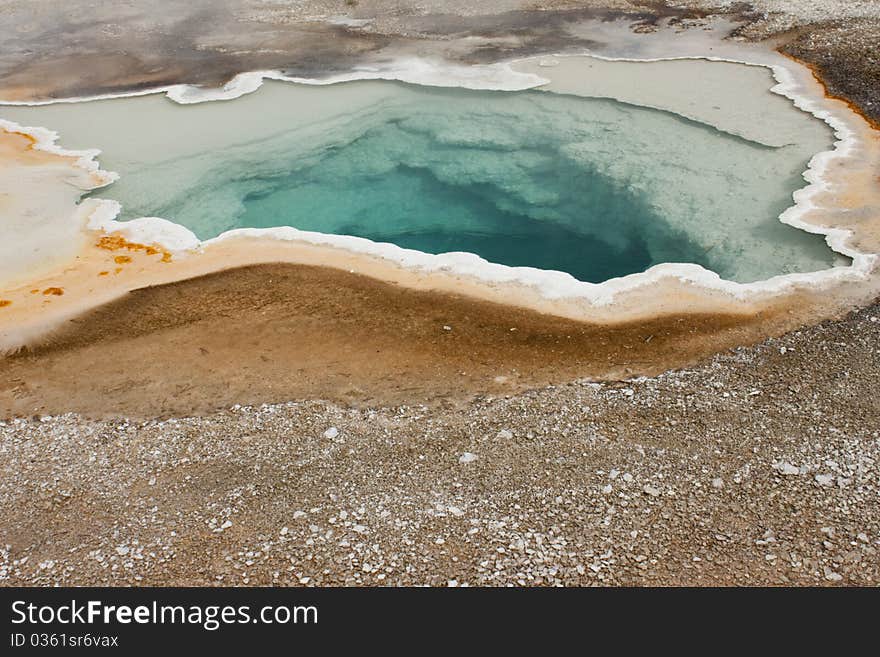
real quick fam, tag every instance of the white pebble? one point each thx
(653, 492)
(786, 468)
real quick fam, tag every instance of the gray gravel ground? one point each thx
(759, 467)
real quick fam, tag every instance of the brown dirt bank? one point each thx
(276, 332)
(760, 466)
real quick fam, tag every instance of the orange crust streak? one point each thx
(117, 243)
(874, 123)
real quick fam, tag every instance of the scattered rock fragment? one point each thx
(787, 469)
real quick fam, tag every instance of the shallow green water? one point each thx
(592, 187)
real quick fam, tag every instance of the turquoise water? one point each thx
(396, 183)
(592, 187)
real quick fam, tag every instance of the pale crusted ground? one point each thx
(78, 47)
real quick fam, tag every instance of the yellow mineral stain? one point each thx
(54, 291)
(117, 270)
(35, 291)
(121, 260)
(29, 138)
(117, 242)
(5, 302)
(103, 273)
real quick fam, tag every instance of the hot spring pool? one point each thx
(593, 187)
